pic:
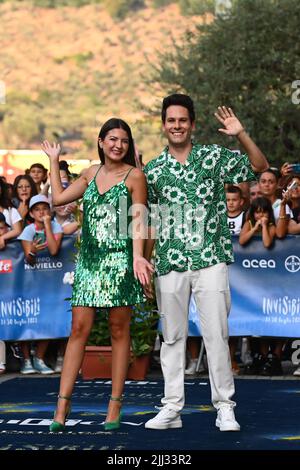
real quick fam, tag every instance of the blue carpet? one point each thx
(268, 411)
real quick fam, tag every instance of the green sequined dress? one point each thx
(104, 270)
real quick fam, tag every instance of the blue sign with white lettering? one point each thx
(33, 301)
(265, 290)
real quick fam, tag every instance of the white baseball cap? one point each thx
(38, 198)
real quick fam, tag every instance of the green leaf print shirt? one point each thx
(187, 205)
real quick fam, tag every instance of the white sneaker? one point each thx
(191, 369)
(165, 419)
(297, 371)
(59, 364)
(41, 367)
(247, 358)
(226, 420)
(27, 367)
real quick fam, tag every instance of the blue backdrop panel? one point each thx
(265, 290)
(32, 300)
(264, 287)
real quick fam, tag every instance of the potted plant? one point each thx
(143, 330)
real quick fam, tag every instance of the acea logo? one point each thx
(259, 263)
(292, 263)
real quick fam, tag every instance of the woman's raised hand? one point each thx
(53, 151)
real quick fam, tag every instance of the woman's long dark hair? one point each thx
(264, 205)
(28, 178)
(116, 123)
(5, 200)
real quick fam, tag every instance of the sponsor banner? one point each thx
(264, 288)
(33, 301)
(265, 291)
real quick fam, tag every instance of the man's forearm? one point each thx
(258, 160)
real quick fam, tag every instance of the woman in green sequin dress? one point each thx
(111, 269)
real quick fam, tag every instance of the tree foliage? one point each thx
(196, 7)
(161, 3)
(247, 60)
(117, 8)
(120, 8)
(56, 3)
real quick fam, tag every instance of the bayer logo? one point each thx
(292, 263)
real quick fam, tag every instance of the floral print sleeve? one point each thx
(150, 177)
(234, 167)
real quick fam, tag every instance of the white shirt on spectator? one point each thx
(235, 223)
(11, 216)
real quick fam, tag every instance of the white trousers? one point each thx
(210, 287)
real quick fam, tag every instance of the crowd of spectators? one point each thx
(27, 214)
(269, 208)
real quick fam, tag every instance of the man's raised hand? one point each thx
(226, 116)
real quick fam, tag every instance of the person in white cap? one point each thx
(42, 234)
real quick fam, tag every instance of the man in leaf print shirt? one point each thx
(187, 205)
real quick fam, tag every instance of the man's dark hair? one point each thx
(178, 99)
(234, 189)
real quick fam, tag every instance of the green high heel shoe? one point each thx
(112, 425)
(55, 426)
